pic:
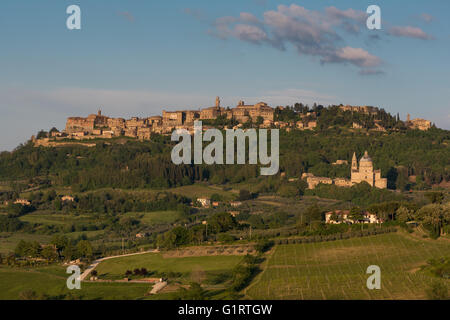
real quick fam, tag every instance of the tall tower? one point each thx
(408, 118)
(217, 102)
(354, 162)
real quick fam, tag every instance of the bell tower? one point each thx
(354, 162)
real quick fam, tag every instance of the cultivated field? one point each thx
(54, 219)
(51, 281)
(155, 217)
(337, 270)
(200, 191)
(9, 241)
(189, 267)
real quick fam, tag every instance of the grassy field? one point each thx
(53, 219)
(337, 270)
(51, 281)
(192, 268)
(156, 217)
(200, 191)
(9, 241)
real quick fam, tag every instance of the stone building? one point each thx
(173, 118)
(98, 125)
(340, 162)
(363, 109)
(365, 172)
(135, 123)
(342, 182)
(243, 112)
(343, 216)
(76, 124)
(23, 202)
(314, 181)
(418, 123)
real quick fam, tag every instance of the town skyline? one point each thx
(140, 58)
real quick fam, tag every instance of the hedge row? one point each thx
(338, 236)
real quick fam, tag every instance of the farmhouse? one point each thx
(68, 199)
(344, 216)
(23, 202)
(204, 202)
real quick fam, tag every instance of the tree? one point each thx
(28, 249)
(435, 215)
(216, 197)
(356, 214)
(84, 249)
(195, 292)
(69, 252)
(60, 242)
(313, 213)
(28, 295)
(11, 259)
(244, 195)
(256, 221)
(57, 204)
(437, 291)
(435, 197)
(173, 238)
(42, 134)
(259, 120)
(221, 222)
(403, 214)
(287, 191)
(49, 253)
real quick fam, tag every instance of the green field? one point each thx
(190, 267)
(337, 270)
(200, 191)
(9, 241)
(53, 219)
(155, 217)
(51, 281)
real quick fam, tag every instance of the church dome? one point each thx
(366, 158)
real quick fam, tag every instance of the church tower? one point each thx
(217, 102)
(354, 162)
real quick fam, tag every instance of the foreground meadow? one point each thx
(337, 270)
(50, 283)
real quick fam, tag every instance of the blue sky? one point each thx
(140, 57)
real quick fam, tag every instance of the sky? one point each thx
(137, 58)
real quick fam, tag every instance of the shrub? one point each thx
(437, 291)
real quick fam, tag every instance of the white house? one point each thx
(204, 202)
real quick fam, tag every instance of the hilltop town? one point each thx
(260, 114)
(123, 211)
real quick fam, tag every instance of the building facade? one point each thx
(365, 172)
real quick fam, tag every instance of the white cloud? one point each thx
(313, 33)
(249, 33)
(428, 18)
(409, 32)
(357, 56)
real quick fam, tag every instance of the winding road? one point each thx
(95, 263)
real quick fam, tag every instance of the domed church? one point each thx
(366, 173)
